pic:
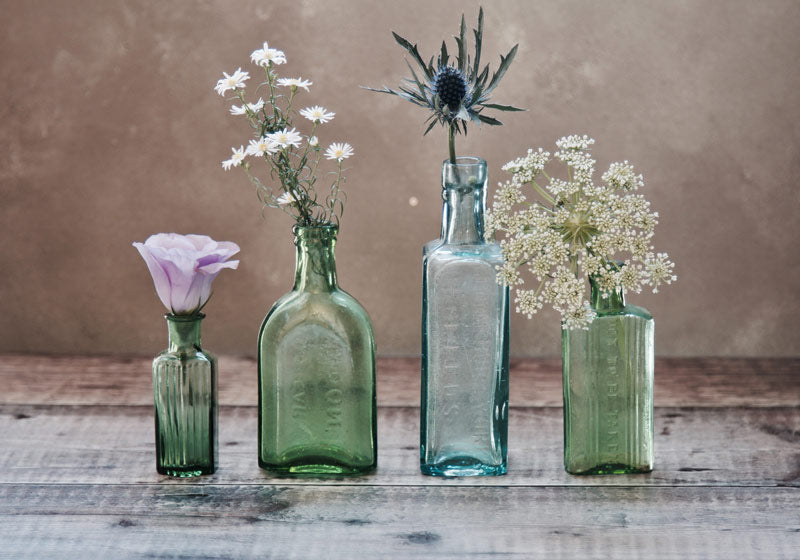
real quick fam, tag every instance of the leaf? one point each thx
(478, 42)
(505, 62)
(462, 45)
(430, 126)
(501, 107)
(408, 97)
(416, 80)
(412, 50)
(444, 57)
(489, 120)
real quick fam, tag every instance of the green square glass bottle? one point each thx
(608, 389)
(464, 403)
(185, 398)
(316, 372)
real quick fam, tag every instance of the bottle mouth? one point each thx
(465, 162)
(184, 318)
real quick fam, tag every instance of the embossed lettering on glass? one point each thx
(608, 389)
(317, 400)
(464, 413)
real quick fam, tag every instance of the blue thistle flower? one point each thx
(456, 94)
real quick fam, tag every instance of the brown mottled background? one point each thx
(111, 131)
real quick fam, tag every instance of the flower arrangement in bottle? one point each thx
(316, 349)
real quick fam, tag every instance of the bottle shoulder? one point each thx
(184, 355)
(328, 309)
(632, 311)
(488, 252)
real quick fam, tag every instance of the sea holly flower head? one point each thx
(456, 91)
(561, 231)
(184, 266)
(290, 156)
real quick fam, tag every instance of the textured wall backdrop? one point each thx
(111, 131)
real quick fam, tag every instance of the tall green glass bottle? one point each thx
(608, 389)
(185, 398)
(316, 372)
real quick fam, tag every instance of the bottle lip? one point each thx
(185, 318)
(465, 162)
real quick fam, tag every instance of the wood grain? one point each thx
(694, 447)
(231, 521)
(679, 381)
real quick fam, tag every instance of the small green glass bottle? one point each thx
(608, 389)
(317, 412)
(185, 398)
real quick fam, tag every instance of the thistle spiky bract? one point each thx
(456, 91)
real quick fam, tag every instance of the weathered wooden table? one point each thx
(77, 474)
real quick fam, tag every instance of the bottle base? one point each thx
(611, 468)
(316, 468)
(462, 466)
(185, 472)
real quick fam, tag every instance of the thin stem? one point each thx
(451, 140)
(543, 193)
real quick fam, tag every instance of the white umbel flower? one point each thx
(264, 56)
(261, 147)
(294, 83)
(339, 151)
(285, 138)
(317, 114)
(236, 158)
(231, 82)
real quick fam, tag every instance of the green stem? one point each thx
(451, 140)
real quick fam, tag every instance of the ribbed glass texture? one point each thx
(317, 399)
(185, 398)
(464, 408)
(608, 390)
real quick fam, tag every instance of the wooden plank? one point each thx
(694, 447)
(29, 379)
(230, 521)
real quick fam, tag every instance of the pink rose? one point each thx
(183, 267)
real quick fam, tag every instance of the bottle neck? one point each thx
(464, 193)
(614, 301)
(184, 331)
(315, 270)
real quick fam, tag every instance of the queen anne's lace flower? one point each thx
(562, 230)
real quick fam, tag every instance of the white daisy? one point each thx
(294, 83)
(317, 114)
(263, 56)
(236, 158)
(237, 110)
(234, 81)
(285, 198)
(313, 141)
(285, 138)
(260, 147)
(339, 151)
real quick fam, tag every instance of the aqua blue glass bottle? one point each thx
(464, 404)
(608, 389)
(317, 412)
(185, 398)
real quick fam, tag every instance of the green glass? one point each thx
(608, 389)
(185, 398)
(317, 411)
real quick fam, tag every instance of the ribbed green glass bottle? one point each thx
(185, 398)
(317, 399)
(608, 389)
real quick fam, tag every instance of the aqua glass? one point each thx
(185, 397)
(464, 408)
(608, 389)
(317, 410)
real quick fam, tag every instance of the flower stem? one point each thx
(451, 140)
